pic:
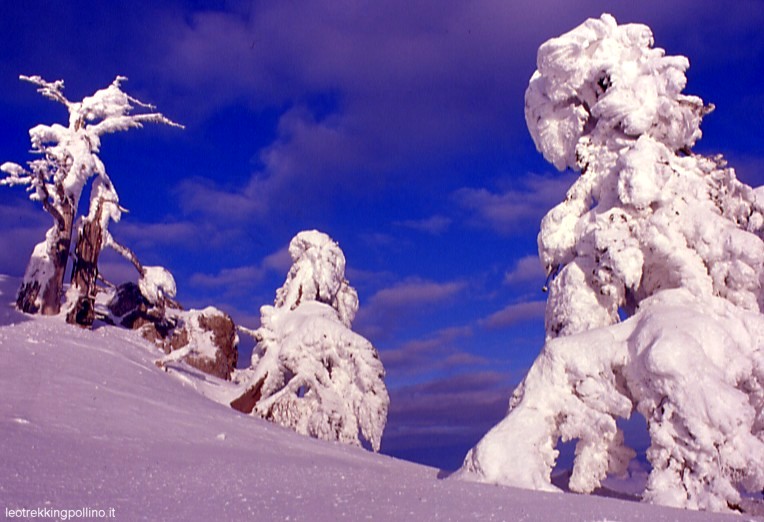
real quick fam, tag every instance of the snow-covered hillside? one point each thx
(88, 421)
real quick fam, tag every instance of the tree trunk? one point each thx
(43, 283)
(85, 271)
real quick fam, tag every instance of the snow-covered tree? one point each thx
(652, 232)
(309, 371)
(68, 160)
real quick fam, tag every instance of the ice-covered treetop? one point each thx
(70, 153)
(605, 83)
(318, 274)
(107, 110)
(646, 214)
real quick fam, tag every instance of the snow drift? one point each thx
(88, 421)
(650, 231)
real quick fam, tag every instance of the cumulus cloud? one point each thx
(435, 225)
(363, 92)
(514, 314)
(386, 310)
(510, 211)
(241, 279)
(162, 235)
(526, 270)
(414, 293)
(363, 95)
(438, 351)
(451, 413)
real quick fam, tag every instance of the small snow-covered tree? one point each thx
(651, 231)
(68, 160)
(309, 371)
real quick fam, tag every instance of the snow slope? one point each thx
(88, 420)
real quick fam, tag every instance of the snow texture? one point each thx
(156, 283)
(87, 420)
(653, 232)
(318, 274)
(309, 371)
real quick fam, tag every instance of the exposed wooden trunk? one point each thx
(85, 271)
(42, 287)
(247, 401)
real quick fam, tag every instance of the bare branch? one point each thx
(105, 281)
(123, 251)
(49, 207)
(51, 90)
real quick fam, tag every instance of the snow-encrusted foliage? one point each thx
(68, 160)
(318, 274)
(309, 371)
(654, 232)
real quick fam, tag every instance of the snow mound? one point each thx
(683, 363)
(156, 283)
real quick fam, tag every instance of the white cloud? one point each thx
(511, 211)
(435, 225)
(514, 314)
(243, 278)
(439, 350)
(526, 270)
(403, 302)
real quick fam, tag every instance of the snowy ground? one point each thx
(88, 421)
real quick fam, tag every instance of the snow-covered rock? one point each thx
(655, 233)
(205, 339)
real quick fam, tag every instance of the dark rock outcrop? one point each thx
(208, 337)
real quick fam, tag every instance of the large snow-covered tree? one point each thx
(653, 233)
(310, 372)
(68, 160)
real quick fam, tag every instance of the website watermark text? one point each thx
(60, 513)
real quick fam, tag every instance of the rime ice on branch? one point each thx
(68, 159)
(670, 239)
(309, 371)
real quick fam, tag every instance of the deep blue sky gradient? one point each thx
(396, 127)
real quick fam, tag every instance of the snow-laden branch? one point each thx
(122, 250)
(51, 90)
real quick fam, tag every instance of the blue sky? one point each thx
(396, 127)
